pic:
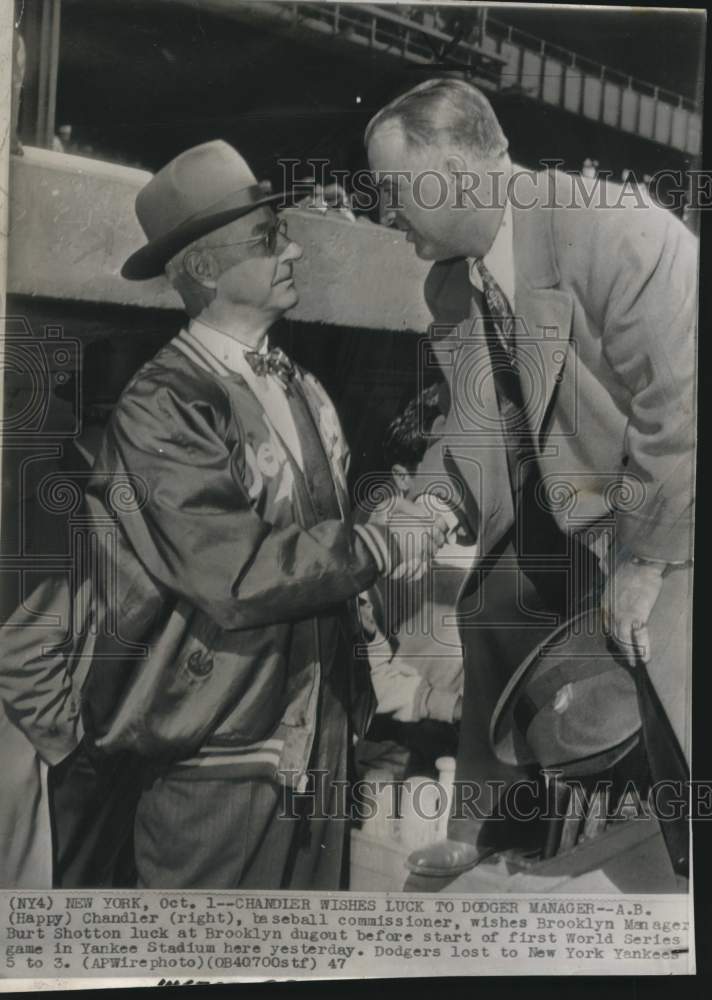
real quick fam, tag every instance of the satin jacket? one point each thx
(210, 574)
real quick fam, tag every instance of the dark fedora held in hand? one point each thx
(199, 191)
(572, 704)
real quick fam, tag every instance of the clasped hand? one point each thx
(419, 533)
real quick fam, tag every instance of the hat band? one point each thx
(236, 199)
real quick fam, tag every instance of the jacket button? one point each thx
(200, 665)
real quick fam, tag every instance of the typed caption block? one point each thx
(164, 937)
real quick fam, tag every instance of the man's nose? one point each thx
(292, 250)
(387, 216)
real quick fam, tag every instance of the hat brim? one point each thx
(508, 740)
(150, 260)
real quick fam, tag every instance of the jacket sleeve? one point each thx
(643, 284)
(196, 532)
(35, 681)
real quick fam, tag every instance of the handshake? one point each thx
(416, 530)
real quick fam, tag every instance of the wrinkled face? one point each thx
(250, 272)
(423, 193)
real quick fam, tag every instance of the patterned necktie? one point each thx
(499, 334)
(274, 362)
(500, 311)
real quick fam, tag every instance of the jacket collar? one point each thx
(532, 200)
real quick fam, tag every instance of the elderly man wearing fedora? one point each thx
(220, 686)
(565, 324)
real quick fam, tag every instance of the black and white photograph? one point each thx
(349, 408)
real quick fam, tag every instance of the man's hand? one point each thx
(627, 603)
(431, 503)
(419, 534)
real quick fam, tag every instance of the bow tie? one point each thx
(274, 362)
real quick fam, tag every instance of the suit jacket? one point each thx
(605, 304)
(207, 579)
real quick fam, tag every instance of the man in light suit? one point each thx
(565, 322)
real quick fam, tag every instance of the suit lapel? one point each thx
(543, 311)
(477, 385)
(480, 472)
(543, 333)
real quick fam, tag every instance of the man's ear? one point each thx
(455, 163)
(202, 266)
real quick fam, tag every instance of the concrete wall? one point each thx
(72, 225)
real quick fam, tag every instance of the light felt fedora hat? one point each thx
(572, 704)
(202, 189)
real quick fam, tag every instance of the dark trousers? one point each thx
(92, 806)
(500, 624)
(115, 825)
(510, 606)
(231, 834)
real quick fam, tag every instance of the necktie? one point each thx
(553, 560)
(500, 311)
(274, 362)
(499, 334)
(318, 480)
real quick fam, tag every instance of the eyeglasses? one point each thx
(269, 238)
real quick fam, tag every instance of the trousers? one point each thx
(227, 833)
(509, 607)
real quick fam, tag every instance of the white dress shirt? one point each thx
(230, 350)
(499, 259)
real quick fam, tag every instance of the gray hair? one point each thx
(445, 109)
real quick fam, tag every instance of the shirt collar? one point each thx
(499, 259)
(225, 347)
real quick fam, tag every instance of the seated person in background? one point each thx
(414, 650)
(408, 691)
(417, 712)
